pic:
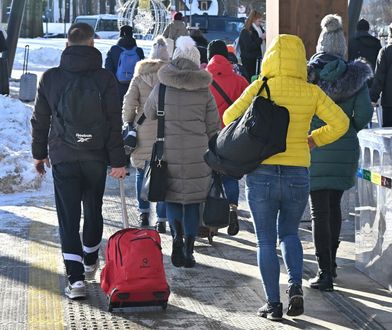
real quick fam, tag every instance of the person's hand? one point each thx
(118, 172)
(311, 143)
(39, 165)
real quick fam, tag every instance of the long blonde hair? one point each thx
(254, 15)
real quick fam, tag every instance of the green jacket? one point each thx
(334, 166)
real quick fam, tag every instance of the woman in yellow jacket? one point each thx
(277, 191)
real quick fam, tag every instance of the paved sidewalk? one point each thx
(222, 292)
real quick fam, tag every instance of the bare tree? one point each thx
(102, 6)
(112, 5)
(32, 19)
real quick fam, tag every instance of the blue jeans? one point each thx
(277, 197)
(232, 189)
(144, 206)
(188, 215)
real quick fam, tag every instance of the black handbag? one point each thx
(216, 209)
(259, 134)
(154, 183)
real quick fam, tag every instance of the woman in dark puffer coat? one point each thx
(334, 166)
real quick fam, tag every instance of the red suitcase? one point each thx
(134, 274)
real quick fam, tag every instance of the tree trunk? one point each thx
(32, 20)
(354, 11)
(89, 7)
(102, 6)
(112, 5)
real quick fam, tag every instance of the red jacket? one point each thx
(231, 83)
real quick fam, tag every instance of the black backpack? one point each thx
(80, 118)
(259, 134)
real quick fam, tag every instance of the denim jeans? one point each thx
(188, 215)
(232, 189)
(144, 206)
(277, 197)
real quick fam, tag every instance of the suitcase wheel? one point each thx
(110, 308)
(164, 305)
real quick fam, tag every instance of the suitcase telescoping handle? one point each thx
(26, 59)
(124, 213)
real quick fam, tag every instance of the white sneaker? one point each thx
(90, 271)
(76, 290)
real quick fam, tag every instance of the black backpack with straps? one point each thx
(259, 134)
(80, 120)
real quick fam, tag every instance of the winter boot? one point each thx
(234, 226)
(177, 256)
(144, 219)
(296, 300)
(188, 252)
(323, 279)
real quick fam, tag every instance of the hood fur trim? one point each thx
(182, 73)
(148, 66)
(348, 84)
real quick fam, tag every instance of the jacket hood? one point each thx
(81, 58)
(182, 73)
(220, 66)
(366, 39)
(285, 57)
(341, 80)
(147, 70)
(127, 43)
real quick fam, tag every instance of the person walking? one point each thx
(277, 191)
(78, 98)
(121, 59)
(174, 30)
(333, 167)
(144, 79)
(201, 44)
(364, 45)
(251, 41)
(382, 82)
(191, 119)
(227, 87)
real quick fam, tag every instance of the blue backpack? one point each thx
(126, 64)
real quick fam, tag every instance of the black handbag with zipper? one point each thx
(154, 183)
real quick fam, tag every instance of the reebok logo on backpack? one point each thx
(126, 64)
(80, 120)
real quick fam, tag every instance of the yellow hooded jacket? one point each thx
(284, 65)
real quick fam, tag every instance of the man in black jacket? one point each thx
(363, 44)
(79, 175)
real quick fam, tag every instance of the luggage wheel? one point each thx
(164, 305)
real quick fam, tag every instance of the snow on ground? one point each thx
(17, 173)
(16, 169)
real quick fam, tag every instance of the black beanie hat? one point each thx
(177, 16)
(126, 31)
(217, 47)
(363, 25)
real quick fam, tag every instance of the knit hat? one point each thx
(177, 16)
(126, 31)
(159, 49)
(363, 25)
(186, 48)
(216, 47)
(332, 40)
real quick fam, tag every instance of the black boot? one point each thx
(323, 279)
(334, 250)
(177, 256)
(188, 252)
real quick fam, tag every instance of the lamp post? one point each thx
(190, 13)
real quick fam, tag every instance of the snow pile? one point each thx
(40, 58)
(17, 172)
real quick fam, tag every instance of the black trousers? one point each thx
(326, 224)
(79, 183)
(386, 116)
(250, 66)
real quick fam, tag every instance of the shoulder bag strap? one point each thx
(222, 92)
(141, 119)
(161, 122)
(264, 85)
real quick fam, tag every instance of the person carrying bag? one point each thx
(155, 172)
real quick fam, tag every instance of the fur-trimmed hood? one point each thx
(147, 70)
(338, 79)
(182, 73)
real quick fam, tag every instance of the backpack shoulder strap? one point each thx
(222, 92)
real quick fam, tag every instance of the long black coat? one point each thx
(364, 45)
(250, 43)
(383, 77)
(74, 61)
